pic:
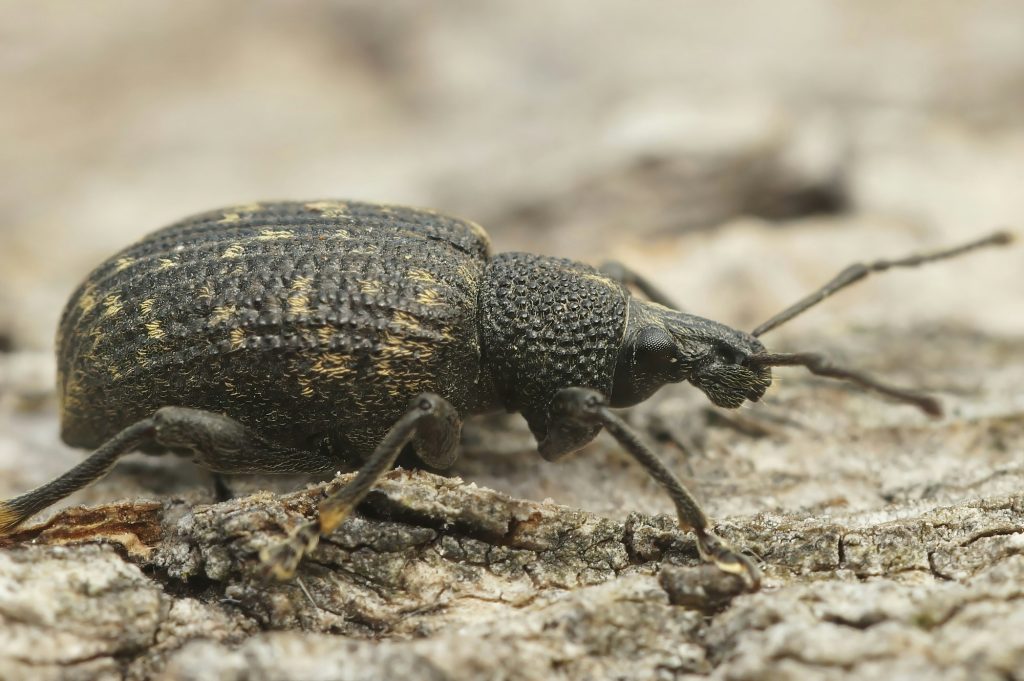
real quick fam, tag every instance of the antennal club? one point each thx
(856, 272)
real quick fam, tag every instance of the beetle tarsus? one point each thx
(431, 424)
(281, 560)
(716, 550)
(14, 512)
(579, 410)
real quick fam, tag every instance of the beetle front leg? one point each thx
(431, 424)
(583, 412)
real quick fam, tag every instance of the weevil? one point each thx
(330, 335)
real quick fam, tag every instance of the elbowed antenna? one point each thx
(858, 271)
(820, 365)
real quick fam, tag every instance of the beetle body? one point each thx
(314, 323)
(329, 335)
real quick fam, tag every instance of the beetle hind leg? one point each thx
(431, 424)
(217, 442)
(14, 512)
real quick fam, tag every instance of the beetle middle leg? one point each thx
(578, 414)
(433, 427)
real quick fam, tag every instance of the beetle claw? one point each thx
(716, 550)
(280, 561)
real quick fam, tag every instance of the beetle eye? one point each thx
(655, 348)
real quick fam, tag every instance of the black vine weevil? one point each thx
(288, 337)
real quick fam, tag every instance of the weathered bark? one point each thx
(438, 578)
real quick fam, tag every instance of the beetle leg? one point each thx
(15, 511)
(431, 424)
(613, 269)
(581, 409)
(223, 445)
(566, 431)
(217, 442)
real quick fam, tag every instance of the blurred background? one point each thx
(738, 153)
(581, 128)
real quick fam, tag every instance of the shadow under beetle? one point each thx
(290, 337)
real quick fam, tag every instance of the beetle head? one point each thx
(664, 346)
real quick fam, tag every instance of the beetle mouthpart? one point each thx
(731, 385)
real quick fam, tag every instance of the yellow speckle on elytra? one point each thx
(112, 305)
(298, 305)
(367, 286)
(422, 276)
(298, 299)
(237, 338)
(146, 307)
(229, 218)
(307, 387)
(467, 273)
(166, 264)
(235, 250)
(405, 320)
(222, 313)
(123, 263)
(154, 331)
(274, 234)
(333, 365)
(400, 348)
(324, 335)
(329, 209)
(205, 292)
(428, 297)
(88, 300)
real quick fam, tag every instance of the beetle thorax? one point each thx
(547, 324)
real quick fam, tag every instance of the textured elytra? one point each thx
(312, 323)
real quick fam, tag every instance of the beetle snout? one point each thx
(759, 386)
(730, 385)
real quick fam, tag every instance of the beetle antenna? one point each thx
(822, 366)
(858, 271)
